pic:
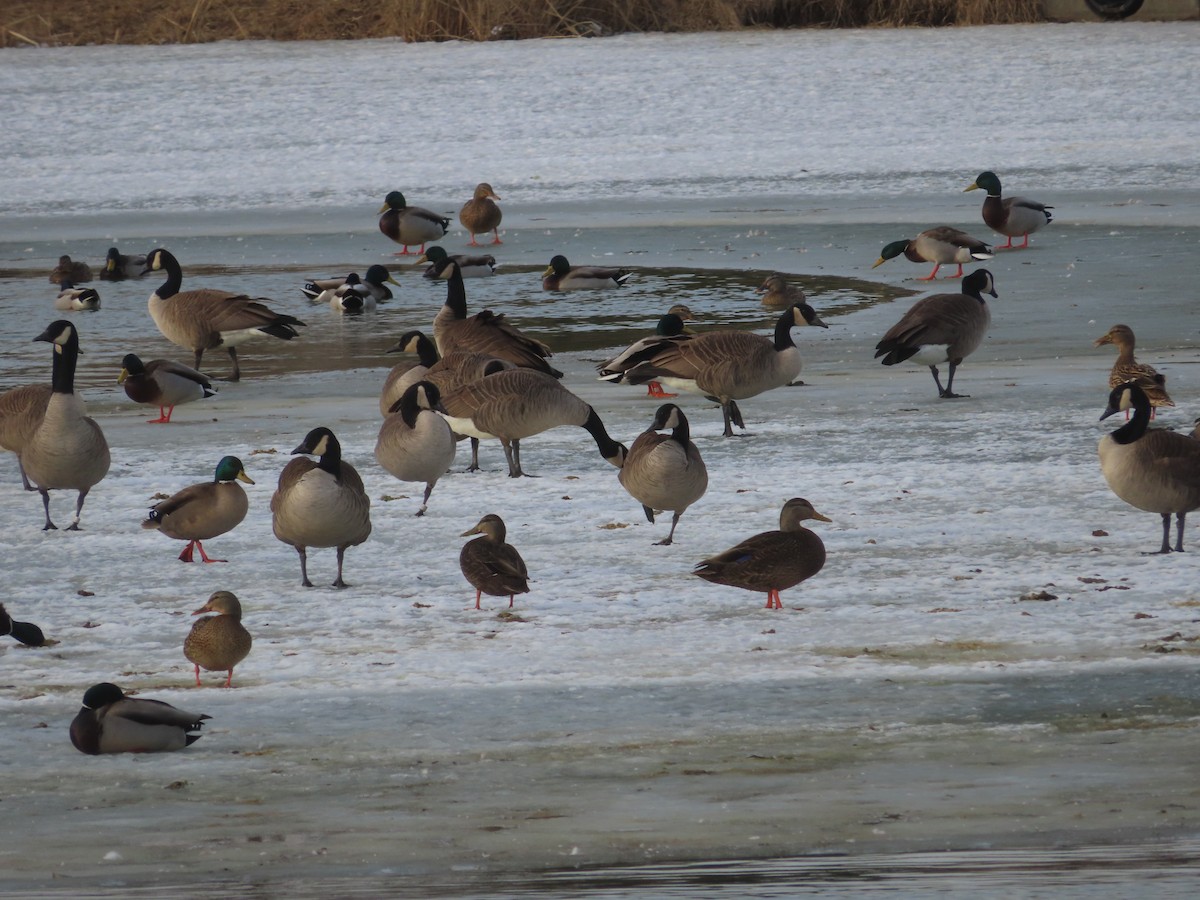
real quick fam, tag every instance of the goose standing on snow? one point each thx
(560, 275)
(942, 328)
(163, 383)
(665, 471)
(205, 319)
(110, 722)
(470, 266)
(404, 375)
(1127, 368)
(772, 561)
(1011, 216)
(415, 443)
(320, 504)
(118, 266)
(205, 510)
(408, 225)
(73, 298)
(70, 270)
(491, 565)
(941, 246)
(218, 643)
(480, 214)
(1157, 471)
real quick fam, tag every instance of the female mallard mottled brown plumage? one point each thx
(777, 293)
(205, 510)
(1126, 368)
(415, 443)
(664, 471)
(163, 383)
(218, 643)
(560, 275)
(110, 722)
(772, 561)
(492, 566)
(941, 246)
(70, 270)
(409, 225)
(470, 266)
(1010, 216)
(480, 214)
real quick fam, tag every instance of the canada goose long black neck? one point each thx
(171, 266)
(1136, 427)
(783, 329)
(427, 353)
(456, 293)
(606, 445)
(66, 356)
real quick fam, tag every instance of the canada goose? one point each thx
(403, 375)
(1158, 470)
(218, 643)
(942, 328)
(777, 293)
(21, 412)
(492, 566)
(485, 332)
(73, 298)
(110, 722)
(163, 383)
(771, 561)
(320, 504)
(23, 632)
(415, 443)
(727, 365)
(1012, 217)
(665, 471)
(1126, 368)
(375, 282)
(560, 275)
(69, 270)
(614, 369)
(941, 246)
(118, 266)
(205, 510)
(518, 403)
(204, 319)
(62, 448)
(407, 225)
(470, 266)
(480, 214)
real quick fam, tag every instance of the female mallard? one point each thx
(480, 214)
(73, 298)
(614, 369)
(110, 722)
(70, 270)
(203, 511)
(1126, 368)
(23, 632)
(404, 375)
(772, 561)
(205, 319)
(665, 471)
(1013, 216)
(492, 566)
(320, 504)
(942, 328)
(163, 383)
(415, 443)
(560, 275)
(118, 266)
(408, 225)
(777, 293)
(470, 266)
(218, 643)
(941, 246)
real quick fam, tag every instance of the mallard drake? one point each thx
(205, 510)
(726, 365)
(492, 566)
(320, 504)
(23, 632)
(403, 375)
(480, 214)
(1126, 368)
(374, 284)
(351, 296)
(560, 275)
(163, 383)
(614, 369)
(218, 643)
(1154, 470)
(69, 270)
(205, 319)
(778, 293)
(941, 246)
(772, 561)
(665, 471)
(118, 266)
(110, 722)
(73, 298)
(409, 225)
(415, 443)
(470, 266)
(1012, 217)
(485, 332)
(942, 328)
(518, 403)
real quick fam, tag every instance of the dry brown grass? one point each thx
(74, 22)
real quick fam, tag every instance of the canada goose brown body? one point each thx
(70, 270)
(665, 471)
(941, 246)
(491, 565)
(22, 410)
(942, 328)
(203, 511)
(320, 504)
(772, 561)
(415, 443)
(163, 383)
(110, 722)
(440, 267)
(480, 214)
(1010, 216)
(219, 642)
(409, 225)
(205, 319)
(404, 375)
(1127, 368)
(560, 275)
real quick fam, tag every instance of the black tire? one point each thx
(1114, 9)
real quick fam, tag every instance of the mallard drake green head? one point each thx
(111, 722)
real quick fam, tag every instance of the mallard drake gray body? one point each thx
(439, 267)
(778, 293)
(560, 275)
(726, 365)
(1127, 368)
(942, 328)
(218, 643)
(110, 722)
(73, 298)
(415, 443)
(69, 270)
(374, 283)
(941, 246)
(1011, 216)
(480, 214)
(614, 369)
(403, 375)
(772, 561)
(1155, 470)
(23, 632)
(665, 471)
(205, 319)
(492, 566)
(409, 225)
(320, 504)
(205, 510)
(118, 266)
(163, 383)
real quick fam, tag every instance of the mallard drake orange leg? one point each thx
(407, 252)
(164, 415)
(932, 275)
(957, 274)
(654, 389)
